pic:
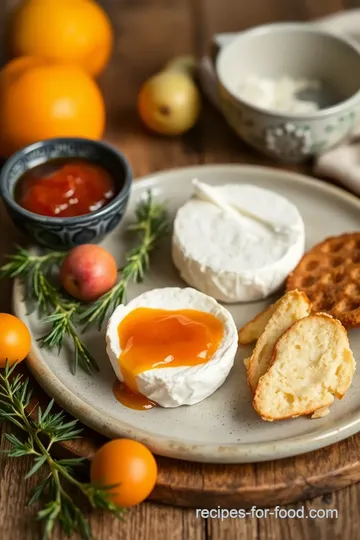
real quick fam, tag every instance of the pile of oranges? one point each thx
(48, 88)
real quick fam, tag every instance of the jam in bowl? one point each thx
(66, 192)
(65, 188)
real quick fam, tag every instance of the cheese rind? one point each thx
(172, 387)
(215, 254)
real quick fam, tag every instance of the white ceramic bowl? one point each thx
(296, 50)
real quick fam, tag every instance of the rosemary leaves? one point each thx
(59, 481)
(68, 318)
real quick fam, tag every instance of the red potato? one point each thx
(88, 271)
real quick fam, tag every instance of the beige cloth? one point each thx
(343, 162)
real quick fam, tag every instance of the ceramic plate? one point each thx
(224, 428)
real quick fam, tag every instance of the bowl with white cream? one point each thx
(291, 90)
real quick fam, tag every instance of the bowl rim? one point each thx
(300, 27)
(122, 194)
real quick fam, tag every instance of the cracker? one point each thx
(329, 274)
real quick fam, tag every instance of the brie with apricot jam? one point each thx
(170, 347)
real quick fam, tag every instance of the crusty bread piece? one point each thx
(319, 413)
(254, 328)
(292, 306)
(312, 362)
(246, 362)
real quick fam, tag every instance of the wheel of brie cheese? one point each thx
(243, 259)
(171, 346)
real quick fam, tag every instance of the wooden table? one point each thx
(148, 33)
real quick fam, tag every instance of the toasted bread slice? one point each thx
(292, 306)
(254, 328)
(319, 413)
(312, 362)
(246, 362)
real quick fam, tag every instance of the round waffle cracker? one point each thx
(329, 274)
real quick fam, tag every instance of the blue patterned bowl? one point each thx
(65, 233)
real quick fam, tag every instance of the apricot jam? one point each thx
(65, 188)
(159, 338)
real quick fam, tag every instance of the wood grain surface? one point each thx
(148, 33)
(264, 485)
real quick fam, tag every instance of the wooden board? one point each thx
(268, 484)
(148, 33)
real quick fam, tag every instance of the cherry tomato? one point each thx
(129, 466)
(15, 339)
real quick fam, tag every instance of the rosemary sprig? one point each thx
(59, 480)
(151, 224)
(62, 325)
(35, 272)
(63, 314)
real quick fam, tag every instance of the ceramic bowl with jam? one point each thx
(66, 192)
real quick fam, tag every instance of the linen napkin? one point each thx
(341, 163)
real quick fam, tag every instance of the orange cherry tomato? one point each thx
(15, 339)
(129, 466)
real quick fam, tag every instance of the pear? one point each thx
(169, 103)
(185, 64)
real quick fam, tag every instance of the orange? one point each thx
(129, 467)
(73, 31)
(15, 339)
(41, 100)
(13, 69)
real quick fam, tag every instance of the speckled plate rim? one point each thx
(174, 447)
